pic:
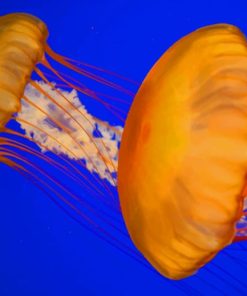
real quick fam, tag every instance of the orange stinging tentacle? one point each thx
(82, 86)
(85, 92)
(73, 196)
(64, 169)
(96, 68)
(11, 143)
(92, 185)
(60, 59)
(60, 143)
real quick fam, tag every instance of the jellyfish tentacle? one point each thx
(65, 62)
(114, 110)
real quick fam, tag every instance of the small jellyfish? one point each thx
(41, 107)
(23, 46)
(183, 155)
(48, 134)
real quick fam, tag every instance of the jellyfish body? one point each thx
(183, 155)
(22, 41)
(23, 45)
(48, 135)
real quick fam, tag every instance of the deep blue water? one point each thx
(43, 251)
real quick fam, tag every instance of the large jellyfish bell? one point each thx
(183, 155)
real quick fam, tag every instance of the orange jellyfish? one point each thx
(183, 155)
(43, 115)
(23, 48)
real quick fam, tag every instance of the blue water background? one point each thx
(43, 252)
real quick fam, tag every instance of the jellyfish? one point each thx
(51, 138)
(183, 155)
(23, 43)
